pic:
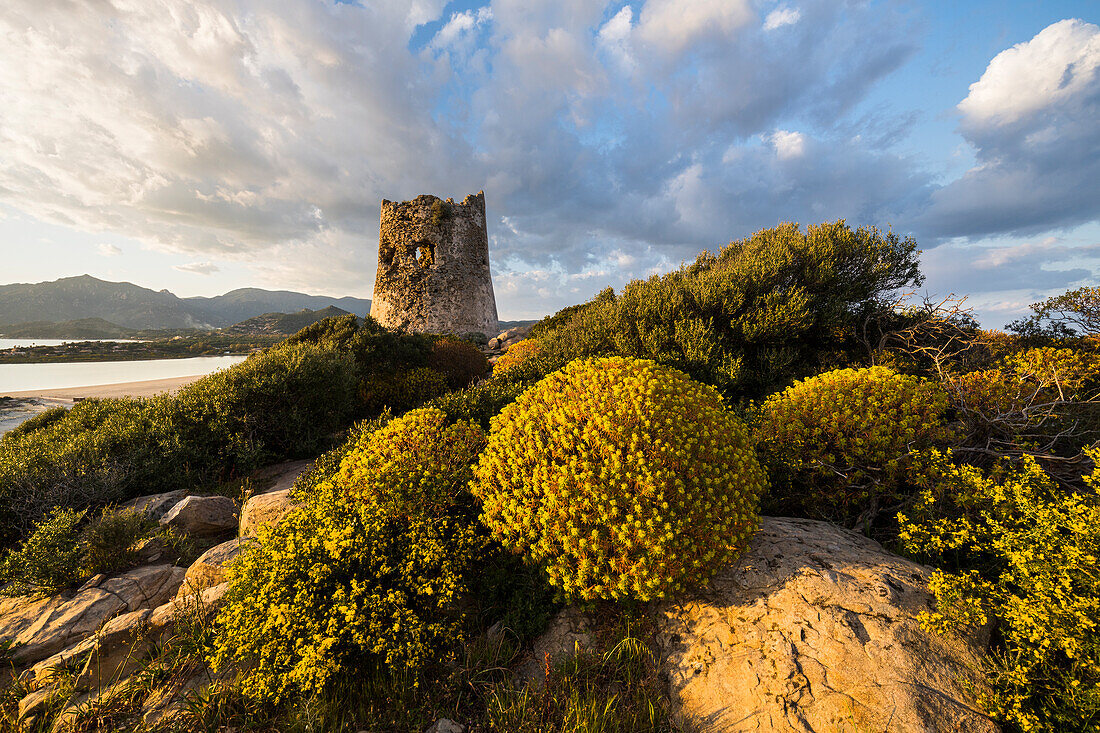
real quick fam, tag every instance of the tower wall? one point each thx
(433, 267)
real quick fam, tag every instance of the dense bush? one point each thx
(844, 443)
(64, 548)
(1024, 554)
(460, 362)
(286, 402)
(780, 305)
(626, 478)
(517, 354)
(1064, 373)
(416, 464)
(479, 403)
(342, 586)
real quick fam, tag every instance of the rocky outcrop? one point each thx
(502, 342)
(816, 629)
(569, 633)
(155, 506)
(210, 569)
(264, 511)
(43, 627)
(202, 516)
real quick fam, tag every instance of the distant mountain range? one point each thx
(283, 323)
(133, 307)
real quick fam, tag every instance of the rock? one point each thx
(36, 701)
(209, 569)
(167, 702)
(264, 511)
(445, 725)
(569, 633)
(816, 629)
(494, 344)
(119, 631)
(117, 651)
(46, 626)
(155, 505)
(163, 619)
(279, 476)
(202, 515)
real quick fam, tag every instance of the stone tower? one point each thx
(433, 267)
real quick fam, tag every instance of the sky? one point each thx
(205, 145)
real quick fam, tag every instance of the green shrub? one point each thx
(282, 403)
(339, 588)
(1025, 555)
(846, 443)
(626, 478)
(416, 464)
(110, 542)
(479, 403)
(460, 362)
(401, 391)
(64, 548)
(780, 305)
(38, 422)
(100, 452)
(49, 558)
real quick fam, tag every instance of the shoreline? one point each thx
(146, 388)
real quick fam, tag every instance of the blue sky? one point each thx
(204, 145)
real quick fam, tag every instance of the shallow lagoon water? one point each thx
(24, 377)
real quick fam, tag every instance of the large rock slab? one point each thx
(202, 516)
(816, 629)
(155, 506)
(209, 570)
(46, 626)
(264, 511)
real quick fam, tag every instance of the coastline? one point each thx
(17, 407)
(146, 388)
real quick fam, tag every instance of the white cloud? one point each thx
(108, 250)
(614, 38)
(460, 26)
(788, 145)
(1053, 69)
(782, 16)
(1031, 120)
(198, 268)
(674, 25)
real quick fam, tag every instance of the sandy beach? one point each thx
(125, 389)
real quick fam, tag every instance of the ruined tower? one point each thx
(433, 267)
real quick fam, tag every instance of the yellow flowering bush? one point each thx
(369, 573)
(1029, 558)
(517, 354)
(624, 477)
(415, 464)
(1063, 372)
(342, 587)
(839, 444)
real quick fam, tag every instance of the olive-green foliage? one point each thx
(401, 391)
(416, 464)
(1072, 312)
(460, 362)
(48, 559)
(626, 478)
(845, 443)
(64, 548)
(479, 403)
(780, 305)
(100, 451)
(285, 402)
(1024, 552)
(39, 421)
(377, 350)
(342, 587)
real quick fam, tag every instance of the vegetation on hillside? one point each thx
(616, 456)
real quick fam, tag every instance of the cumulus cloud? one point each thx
(267, 132)
(1031, 120)
(1035, 266)
(109, 250)
(780, 17)
(198, 268)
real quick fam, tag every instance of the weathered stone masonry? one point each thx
(433, 267)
